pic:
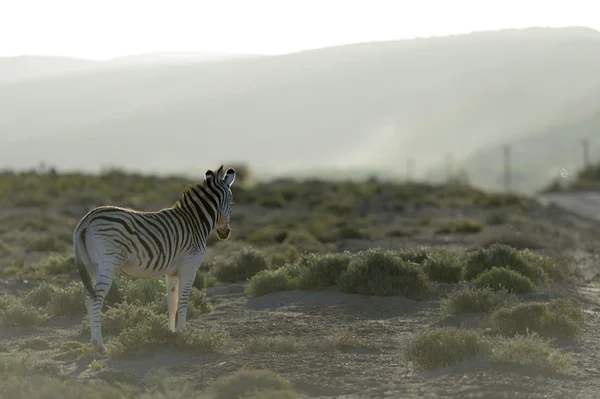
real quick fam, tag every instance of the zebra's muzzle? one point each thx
(223, 234)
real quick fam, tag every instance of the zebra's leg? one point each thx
(172, 299)
(105, 273)
(88, 304)
(186, 276)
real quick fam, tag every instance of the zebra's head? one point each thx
(221, 182)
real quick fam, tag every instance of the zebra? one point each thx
(170, 242)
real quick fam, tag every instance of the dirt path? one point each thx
(582, 203)
(584, 207)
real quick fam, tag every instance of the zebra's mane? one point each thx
(218, 175)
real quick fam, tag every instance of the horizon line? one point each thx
(262, 54)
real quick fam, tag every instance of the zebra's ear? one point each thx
(229, 176)
(209, 174)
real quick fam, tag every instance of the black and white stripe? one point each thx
(170, 242)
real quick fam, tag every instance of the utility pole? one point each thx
(506, 168)
(586, 152)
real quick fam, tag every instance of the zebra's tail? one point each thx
(84, 274)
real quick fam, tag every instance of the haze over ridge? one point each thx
(368, 105)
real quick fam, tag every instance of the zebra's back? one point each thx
(141, 244)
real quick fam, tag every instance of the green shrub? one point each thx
(45, 243)
(150, 329)
(280, 254)
(414, 255)
(252, 384)
(205, 280)
(118, 318)
(503, 256)
(402, 232)
(310, 271)
(5, 249)
(143, 291)
(13, 312)
(460, 226)
(6, 301)
(202, 340)
(57, 264)
(444, 266)
(349, 231)
(547, 264)
(499, 278)
(321, 270)
(10, 271)
(475, 300)
(242, 265)
(382, 272)
(496, 217)
(75, 350)
(42, 294)
(269, 281)
(530, 350)
(450, 346)
(267, 235)
(444, 347)
(68, 301)
(557, 318)
(304, 241)
(141, 331)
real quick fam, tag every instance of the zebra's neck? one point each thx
(200, 207)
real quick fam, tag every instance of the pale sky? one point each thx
(104, 29)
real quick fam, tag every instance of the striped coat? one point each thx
(170, 242)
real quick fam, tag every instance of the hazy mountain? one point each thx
(178, 57)
(537, 159)
(16, 69)
(364, 105)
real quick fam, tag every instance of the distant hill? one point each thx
(17, 69)
(539, 157)
(368, 105)
(14, 69)
(178, 57)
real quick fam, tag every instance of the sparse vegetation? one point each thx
(445, 266)
(475, 300)
(460, 226)
(383, 273)
(13, 312)
(332, 240)
(502, 278)
(588, 178)
(241, 265)
(68, 301)
(557, 318)
(57, 264)
(444, 347)
(451, 346)
(530, 350)
(252, 384)
(498, 255)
